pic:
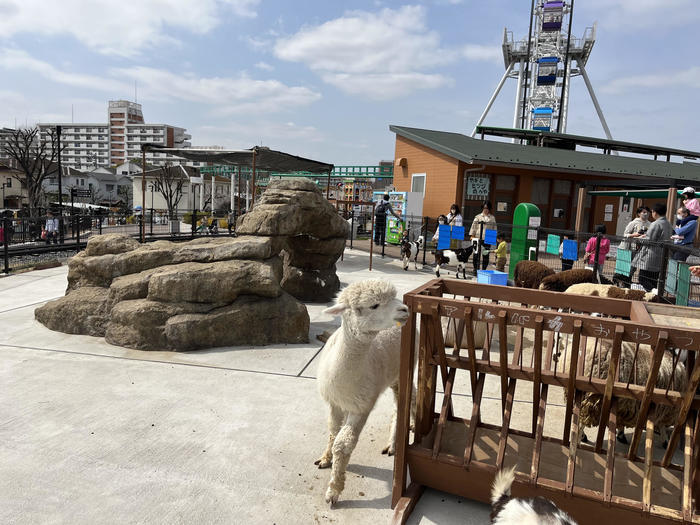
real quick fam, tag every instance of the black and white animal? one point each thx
(410, 251)
(507, 510)
(452, 258)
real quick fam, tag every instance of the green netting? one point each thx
(623, 265)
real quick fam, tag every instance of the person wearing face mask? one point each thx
(476, 232)
(649, 257)
(634, 229)
(684, 232)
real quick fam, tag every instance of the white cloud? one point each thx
(631, 15)
(118, 28)
(264, 66)
(288, 136)
(387, 47)
(384, 86)
(228, 95)
(14, 59)
(686, 78)
(479, 52)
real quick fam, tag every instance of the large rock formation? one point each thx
(309, 232)
(209, 291)
(180, 296)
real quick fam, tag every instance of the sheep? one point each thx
(612, 292)
(597, 364)
(562, 280)
(411, 250)
(529, 274)
(628, 409)
(359, 362)
(507, 510)
(457, 257)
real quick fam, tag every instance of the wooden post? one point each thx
(671, 203)
(581, 205)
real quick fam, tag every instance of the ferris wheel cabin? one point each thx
(547, 71)
(552, 15)
(542, 119)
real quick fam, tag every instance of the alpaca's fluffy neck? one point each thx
(354, 340)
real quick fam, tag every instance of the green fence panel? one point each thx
(623, 264)
(683, 285)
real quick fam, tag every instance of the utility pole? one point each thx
(60, 186)
(143, 192)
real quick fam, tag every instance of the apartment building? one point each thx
(118, 140)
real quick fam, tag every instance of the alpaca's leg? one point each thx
(343, 446)
(335, 421)
(391, 445)
(663, 433)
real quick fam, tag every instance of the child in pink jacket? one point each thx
(589, 258)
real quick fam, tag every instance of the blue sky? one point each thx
(325, 79)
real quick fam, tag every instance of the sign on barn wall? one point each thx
(478, 187)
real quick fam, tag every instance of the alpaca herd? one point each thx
(361, 360)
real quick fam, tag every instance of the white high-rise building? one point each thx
(112, 143)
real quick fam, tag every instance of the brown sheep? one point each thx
(529, 274)
(562, 280)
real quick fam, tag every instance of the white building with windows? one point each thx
(118, 140)
(201, 191)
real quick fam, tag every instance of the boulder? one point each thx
(209, 291)
(110, 243)
(140, 323)
(219, 282)
(245, 321)
(318, 286)
(291, 207)
(83, 311)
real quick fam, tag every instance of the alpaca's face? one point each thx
(374, 315)
(378, 316)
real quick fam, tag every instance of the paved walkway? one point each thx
(94, 433)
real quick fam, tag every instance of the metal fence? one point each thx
(28, 241)
(668, 273)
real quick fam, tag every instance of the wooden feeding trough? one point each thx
(520, 400)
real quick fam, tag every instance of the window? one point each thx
(418, 182)
(8, 184)
(82, 182)
(505, 182)
(110, 187)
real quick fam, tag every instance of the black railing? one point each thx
(30, 240)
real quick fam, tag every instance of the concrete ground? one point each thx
(94, 433)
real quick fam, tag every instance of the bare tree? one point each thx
(34, 155)
(169, 181)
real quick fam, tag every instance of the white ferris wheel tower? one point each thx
(543, 64)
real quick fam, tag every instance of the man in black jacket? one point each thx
(380, 212)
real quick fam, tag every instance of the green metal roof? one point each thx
(490, 152)
(550, 137)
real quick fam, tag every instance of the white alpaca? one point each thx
(359, 362)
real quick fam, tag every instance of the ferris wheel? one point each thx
(543, 64)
